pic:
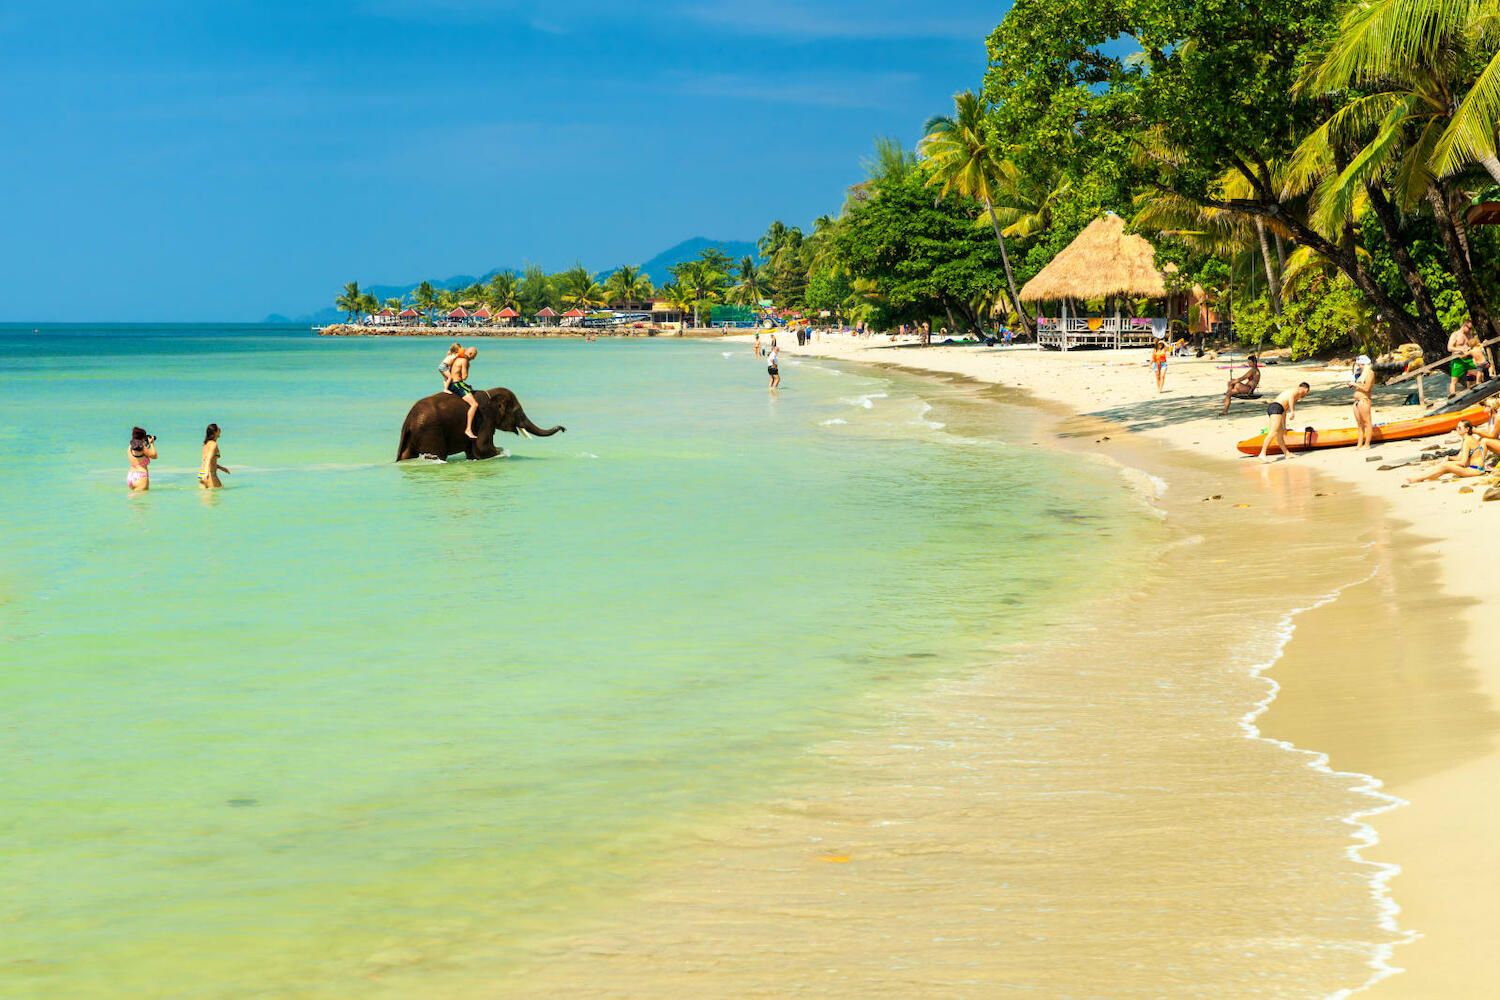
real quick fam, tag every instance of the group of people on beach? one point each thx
(142, 452)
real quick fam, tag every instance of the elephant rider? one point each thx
(455, 382)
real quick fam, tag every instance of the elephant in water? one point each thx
(435, 425)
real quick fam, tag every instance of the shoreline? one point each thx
(673, 331)
(755, 871)
(1444, 882)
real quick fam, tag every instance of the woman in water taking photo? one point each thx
(142, 450)
(208, 475)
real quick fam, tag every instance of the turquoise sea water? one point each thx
(347, 715)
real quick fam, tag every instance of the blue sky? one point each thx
(218, 159)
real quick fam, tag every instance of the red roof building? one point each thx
(571, 313)
(507, 313)
(458, 312)
(547, 313)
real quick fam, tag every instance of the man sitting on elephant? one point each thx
(458, 374)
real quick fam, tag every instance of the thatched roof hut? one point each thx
(1104, 260)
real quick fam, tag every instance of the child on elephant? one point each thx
(456, 383)
(454, 350)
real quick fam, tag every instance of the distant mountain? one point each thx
(655, 269)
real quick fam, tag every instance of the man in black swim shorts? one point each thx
(458, 374)
(1281, 410)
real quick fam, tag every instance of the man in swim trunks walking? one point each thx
(457, 383)
(1282, 410)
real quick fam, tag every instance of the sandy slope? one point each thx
(1445, 841)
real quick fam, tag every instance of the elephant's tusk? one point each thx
(524, 433)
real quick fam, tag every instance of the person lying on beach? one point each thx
(456, 382)
(1470, 460)
(1243, 386)
(453, 351)
(1364, 413)
(1281, 410)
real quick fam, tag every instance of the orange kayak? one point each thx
(1344, 437)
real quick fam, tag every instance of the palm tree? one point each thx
(1437, 44)
(768, 244)
(628, 285)
(748, 291)
(702, 279)
(503, 292)
(394, 305)
(580, 289)
(368, 303)
(958, 152)
(349, 301)
(425, 298)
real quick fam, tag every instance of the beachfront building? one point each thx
(547, 316)
(383, 318)
(409, 315)
(663, 311)
(482, 314)
(507, 314)
(1105, 264)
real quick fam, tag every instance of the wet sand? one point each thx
(1421, 713)
(1096, 815)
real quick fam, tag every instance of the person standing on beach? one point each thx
(1159, 363)
(208, 473)
(1282, 409)
(1364, 406)
(457, 384)
(773, 368)
(1462, 363)
(142, 450)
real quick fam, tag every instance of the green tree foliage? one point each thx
(628, 287)
(349, 301)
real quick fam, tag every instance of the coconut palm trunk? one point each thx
(1273, 280)
(1458, 258)
(1010, 278)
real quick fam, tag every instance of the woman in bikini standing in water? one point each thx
(142, 451)
(208, 474)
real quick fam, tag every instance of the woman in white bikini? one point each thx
(1364, 413)
(142, 450)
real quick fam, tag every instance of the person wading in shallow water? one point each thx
(142, 451)
(208, 474)
(773, 367)
(457, 383)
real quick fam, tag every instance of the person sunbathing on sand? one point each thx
(1470, 460)
(1243, 386)
(456, 382)
(1282, 410)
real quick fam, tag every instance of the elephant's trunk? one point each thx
(526, 425)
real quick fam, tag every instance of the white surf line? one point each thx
(1365, 835)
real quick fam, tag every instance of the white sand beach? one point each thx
(1449, 886)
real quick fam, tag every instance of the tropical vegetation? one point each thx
(1309, 162)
